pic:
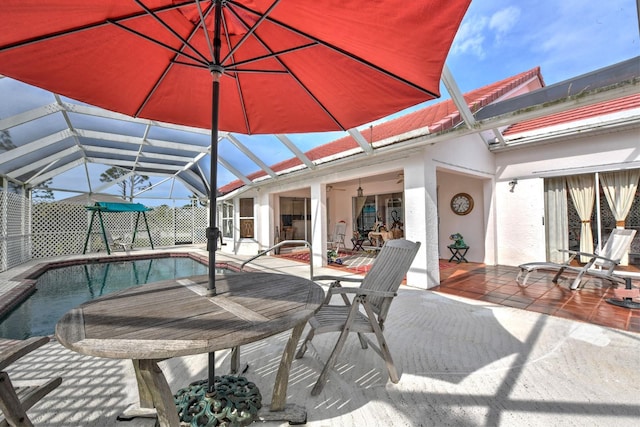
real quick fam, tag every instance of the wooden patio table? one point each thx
(172, 318)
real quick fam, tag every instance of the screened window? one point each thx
(246, 218)
(225, 213)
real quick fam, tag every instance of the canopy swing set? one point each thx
(109, 207)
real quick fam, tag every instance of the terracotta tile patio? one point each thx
(497, 284)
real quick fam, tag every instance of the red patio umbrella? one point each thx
(249, 66)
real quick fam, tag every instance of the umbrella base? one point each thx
(235, 401)
(626, 303)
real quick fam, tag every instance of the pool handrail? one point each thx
(278, 245)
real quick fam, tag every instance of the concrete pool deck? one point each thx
(463, 362)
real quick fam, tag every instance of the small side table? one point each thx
(357, 243)
(458, 254)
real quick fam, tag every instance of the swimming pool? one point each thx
(61, 289)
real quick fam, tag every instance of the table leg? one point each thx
(458, 254)
(144, 394)
(154, 392)
(279, 410)
(279, 398)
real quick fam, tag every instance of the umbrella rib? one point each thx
(340, 51)
(172, 31)
(243, 107)
(251, 30)
(204, 27)
(204, 62)
(88, 27)
(175, 61)
(275, 54)
(302, 85)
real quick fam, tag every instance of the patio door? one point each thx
(586, 202)
(295, 218)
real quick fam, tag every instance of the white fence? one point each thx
(40, 230)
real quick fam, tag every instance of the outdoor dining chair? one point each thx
(366, 311)
(16, 398)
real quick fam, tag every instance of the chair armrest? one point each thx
(12, 350)
(586, 254)
(366, 292)
(337, 278)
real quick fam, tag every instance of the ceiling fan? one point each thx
(330, 188)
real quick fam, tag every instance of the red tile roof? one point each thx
(600, 109)
(437, 118)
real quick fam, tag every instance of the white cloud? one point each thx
(503, 20)
(475, 31)
(470, 38)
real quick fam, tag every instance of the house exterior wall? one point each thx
(521, 236)
(520, 231)
(506, 226)
(471, 226)
(465, 165)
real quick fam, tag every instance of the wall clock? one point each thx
(461, 203)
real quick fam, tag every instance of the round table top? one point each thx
(176, 317)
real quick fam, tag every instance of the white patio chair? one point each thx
(337, 239)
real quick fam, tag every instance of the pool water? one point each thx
(61, 289)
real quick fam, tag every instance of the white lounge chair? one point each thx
(116, 242)
(375, 294)
(613, 251)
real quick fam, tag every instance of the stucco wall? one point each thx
(471, 226)
(519, 221)
(610, 151)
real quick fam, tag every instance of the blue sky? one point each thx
(502, 38)
(498, 39)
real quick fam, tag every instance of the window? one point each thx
(246, 218)
(225, 218)
(385, 209)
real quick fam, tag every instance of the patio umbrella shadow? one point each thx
(430, 336)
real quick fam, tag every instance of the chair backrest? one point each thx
(339, 232)
(617, 246)
(388, 270)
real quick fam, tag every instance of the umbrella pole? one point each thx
(212, 231)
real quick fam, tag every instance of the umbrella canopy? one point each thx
(287, 66)
(250, 66)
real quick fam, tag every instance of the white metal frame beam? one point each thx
(361, 140)
(240, 146)
(296, 151)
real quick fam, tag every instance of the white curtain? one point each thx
(620, 189)
(582, 190)
(557, 217)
